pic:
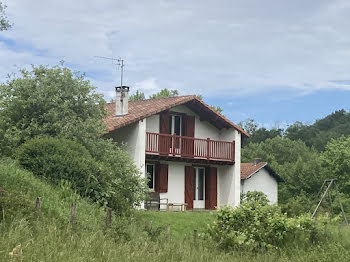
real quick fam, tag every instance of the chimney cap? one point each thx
(120, 88)
(256, 161)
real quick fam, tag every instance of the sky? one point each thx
(273, 61)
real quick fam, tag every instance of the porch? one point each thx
(174, 147)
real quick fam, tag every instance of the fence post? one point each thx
(168, 230)
(73, 209)
(108, 217)
(38, 207)
(208, 148)
(174, 143)
(195, 235)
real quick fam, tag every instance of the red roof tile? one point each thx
(141, 109)
(248, 169)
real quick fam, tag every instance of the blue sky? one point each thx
(273, 61)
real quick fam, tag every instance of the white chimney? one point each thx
(122, 99)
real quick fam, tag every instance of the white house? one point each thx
(259, 176)
(191, 153)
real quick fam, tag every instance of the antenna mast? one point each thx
(117, 62)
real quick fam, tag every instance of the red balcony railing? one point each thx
(189, 147)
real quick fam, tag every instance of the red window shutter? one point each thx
(164, 142)
(164, 122)
(157, 178)
(213, 193)
(189, 186)
(189, 126)
(163, 178)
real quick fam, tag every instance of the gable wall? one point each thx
(264, 182)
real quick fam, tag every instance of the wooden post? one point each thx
(174, 143)
(38, 207)
(168, 229)
(73, 209)
(108, 217)
(195, 235)
(208, 148)
(233, 150)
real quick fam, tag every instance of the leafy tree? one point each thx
(48, 102)
(297, 164)
(4, 23)
(336, 161)
(164, 93)
(56, 102)
(138, 96)
(218, 109)
(257, 134)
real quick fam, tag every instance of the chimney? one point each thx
(121, 102)
(256, 161)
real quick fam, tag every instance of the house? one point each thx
(191, 153)
(259, 176)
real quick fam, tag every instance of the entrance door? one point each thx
(199, 186)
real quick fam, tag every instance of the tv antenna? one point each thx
(117, 62)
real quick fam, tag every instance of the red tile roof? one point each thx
(248, 169)
(141, 109)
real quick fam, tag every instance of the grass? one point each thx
(23, 237)
(182, 224)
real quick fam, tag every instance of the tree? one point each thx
(164, 93)
(138, 96)
(218, 109)
(297, 164)
(4, 23)
(48, 102)
(336, 161)
(56, 102)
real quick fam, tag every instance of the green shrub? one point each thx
(254, 224)
(61, 159)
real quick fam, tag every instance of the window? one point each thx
(175, 124)
(150, 170)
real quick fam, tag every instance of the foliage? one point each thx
(336, 161)
(4, 23)
(322, 131)
(138, 96)
(23, 238)
(164, 93)
(218, 109)
(298, 165)
(48, 101)
(255, 225)
(254, 196)
(258, 134)
(62, 159)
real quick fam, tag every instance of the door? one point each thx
(199, 187)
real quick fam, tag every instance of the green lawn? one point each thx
(182, 224)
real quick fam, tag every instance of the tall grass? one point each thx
(23, 237)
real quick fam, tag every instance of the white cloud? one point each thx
(230, 48)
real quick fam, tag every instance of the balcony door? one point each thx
(199, 188)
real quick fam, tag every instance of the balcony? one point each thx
(183, 147)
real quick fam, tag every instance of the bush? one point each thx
(108, 177)
(61, 159)
(254, 224)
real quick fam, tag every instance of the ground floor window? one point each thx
(150, 170)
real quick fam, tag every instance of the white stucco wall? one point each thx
(152, 124)
(264, 182)
(134, 137)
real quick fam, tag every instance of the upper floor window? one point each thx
(175, 125)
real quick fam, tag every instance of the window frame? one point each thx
(172, 124)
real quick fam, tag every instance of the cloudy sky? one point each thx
(271, 60)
